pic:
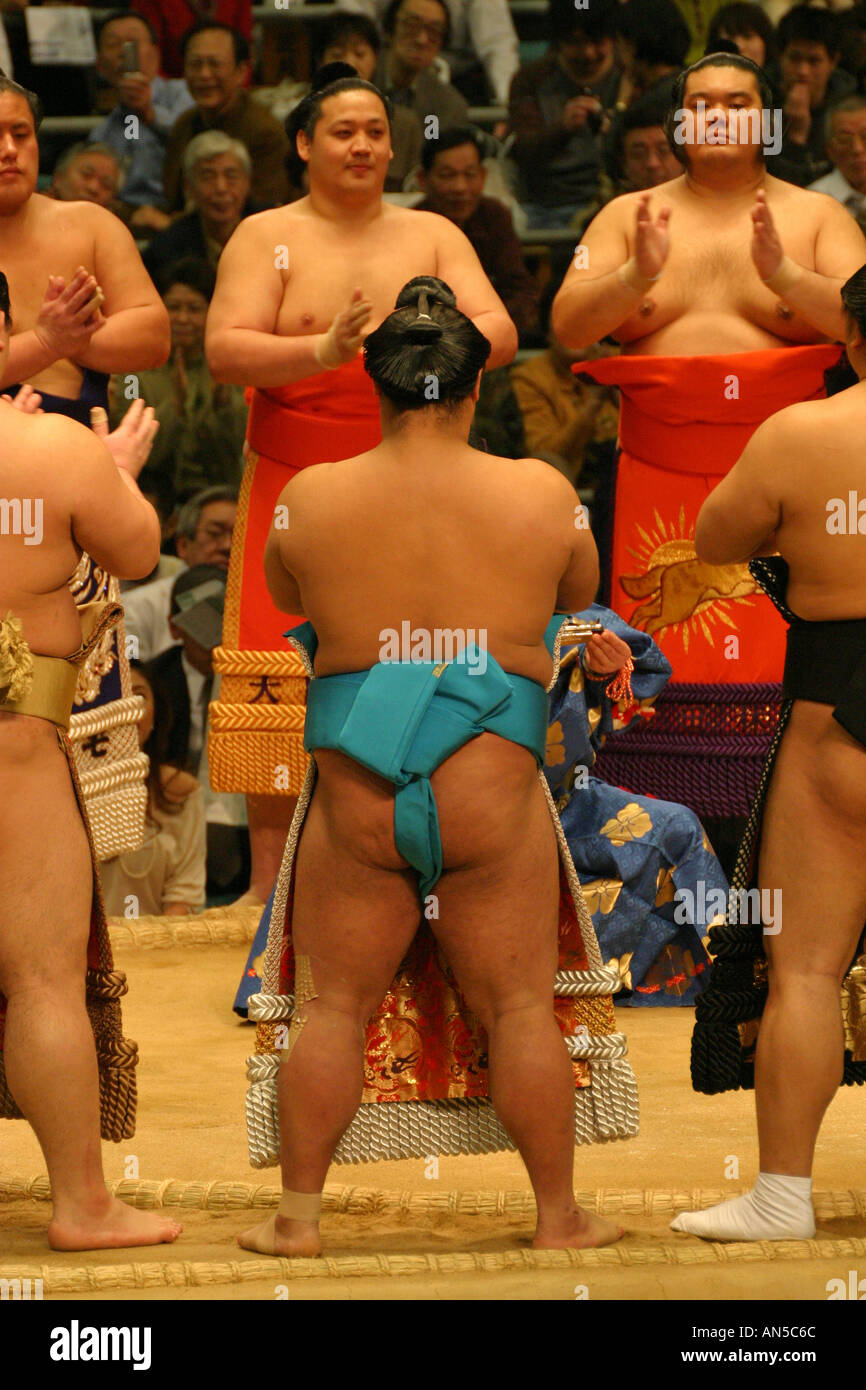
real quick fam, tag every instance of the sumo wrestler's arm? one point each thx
(623, 251)
(282, 585)
(110, 518)
(739, 518)
(242, 345)
(458, 265)
(840, 249)
(579, 580)
(135, 334)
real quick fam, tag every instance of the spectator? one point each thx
(749, 27)
(216, 62)
(851, 29)
(217, 177)
(556, 110)
(172, 19)
(203, 537)
(197, 603)
(416, 31)
(811, 81)
(165, 876)
(698, 15)
(201, 423)
(354, 39)
(482, 53)
(155, 102)
(641, 156)
(652, 44)
(845, 133)
(452, 179)
(562, 416)
(87, 173)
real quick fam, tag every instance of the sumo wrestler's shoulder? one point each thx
(53, 444)
(273, 225)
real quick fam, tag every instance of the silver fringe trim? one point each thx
(604, 1111)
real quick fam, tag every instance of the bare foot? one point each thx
(584, 1232)
(114, 1227)
(281, 1236)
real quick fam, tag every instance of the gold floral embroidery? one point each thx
(554, 753)
(576, 679)
(601, 894)
(631, 823)
(665, 886)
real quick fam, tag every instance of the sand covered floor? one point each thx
(401, 1230)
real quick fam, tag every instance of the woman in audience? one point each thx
(166, 875)
(201, 423)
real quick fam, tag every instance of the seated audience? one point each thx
(452, 178)
(87, 173)
(640, 154)
(651, 46)
(353, 39)
(172, 19)
(203, 536)
(217, 177)
(562, 416)
(197, 603)
(846, 146)
(155, 103)
(749, 27)
(202, 423)
(165, 876)
(482, 52)
(851, 28)
(811, 81)
(698, 15)
(416, 31)
(556, 109)
(216, 64)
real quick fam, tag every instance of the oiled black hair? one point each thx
(713, 60)
(37, 110)
(742, 20)
(329, 81)
(854, 298)
(4, 299)
(426, 352)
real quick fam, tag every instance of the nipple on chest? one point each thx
(784, 312)
(647, 306)
(306, 320)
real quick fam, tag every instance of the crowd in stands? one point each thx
(515, 126)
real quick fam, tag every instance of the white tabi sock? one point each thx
(777, 1208)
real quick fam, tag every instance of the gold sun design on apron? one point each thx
(678, 589)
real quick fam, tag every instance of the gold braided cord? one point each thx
(287, 719)
(234, 581)
(237, 928)
(222, 1196)
(118, 774)
(60, 1279)
(95, 721)
(230, 662)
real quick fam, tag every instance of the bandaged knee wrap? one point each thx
(305, 993)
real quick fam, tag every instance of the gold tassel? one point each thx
(16, 661)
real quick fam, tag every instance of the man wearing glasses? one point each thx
(416, 32)
(203, 537)
(216, 63)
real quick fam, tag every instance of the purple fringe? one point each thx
(705, 746)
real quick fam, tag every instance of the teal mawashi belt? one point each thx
(403, 719)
